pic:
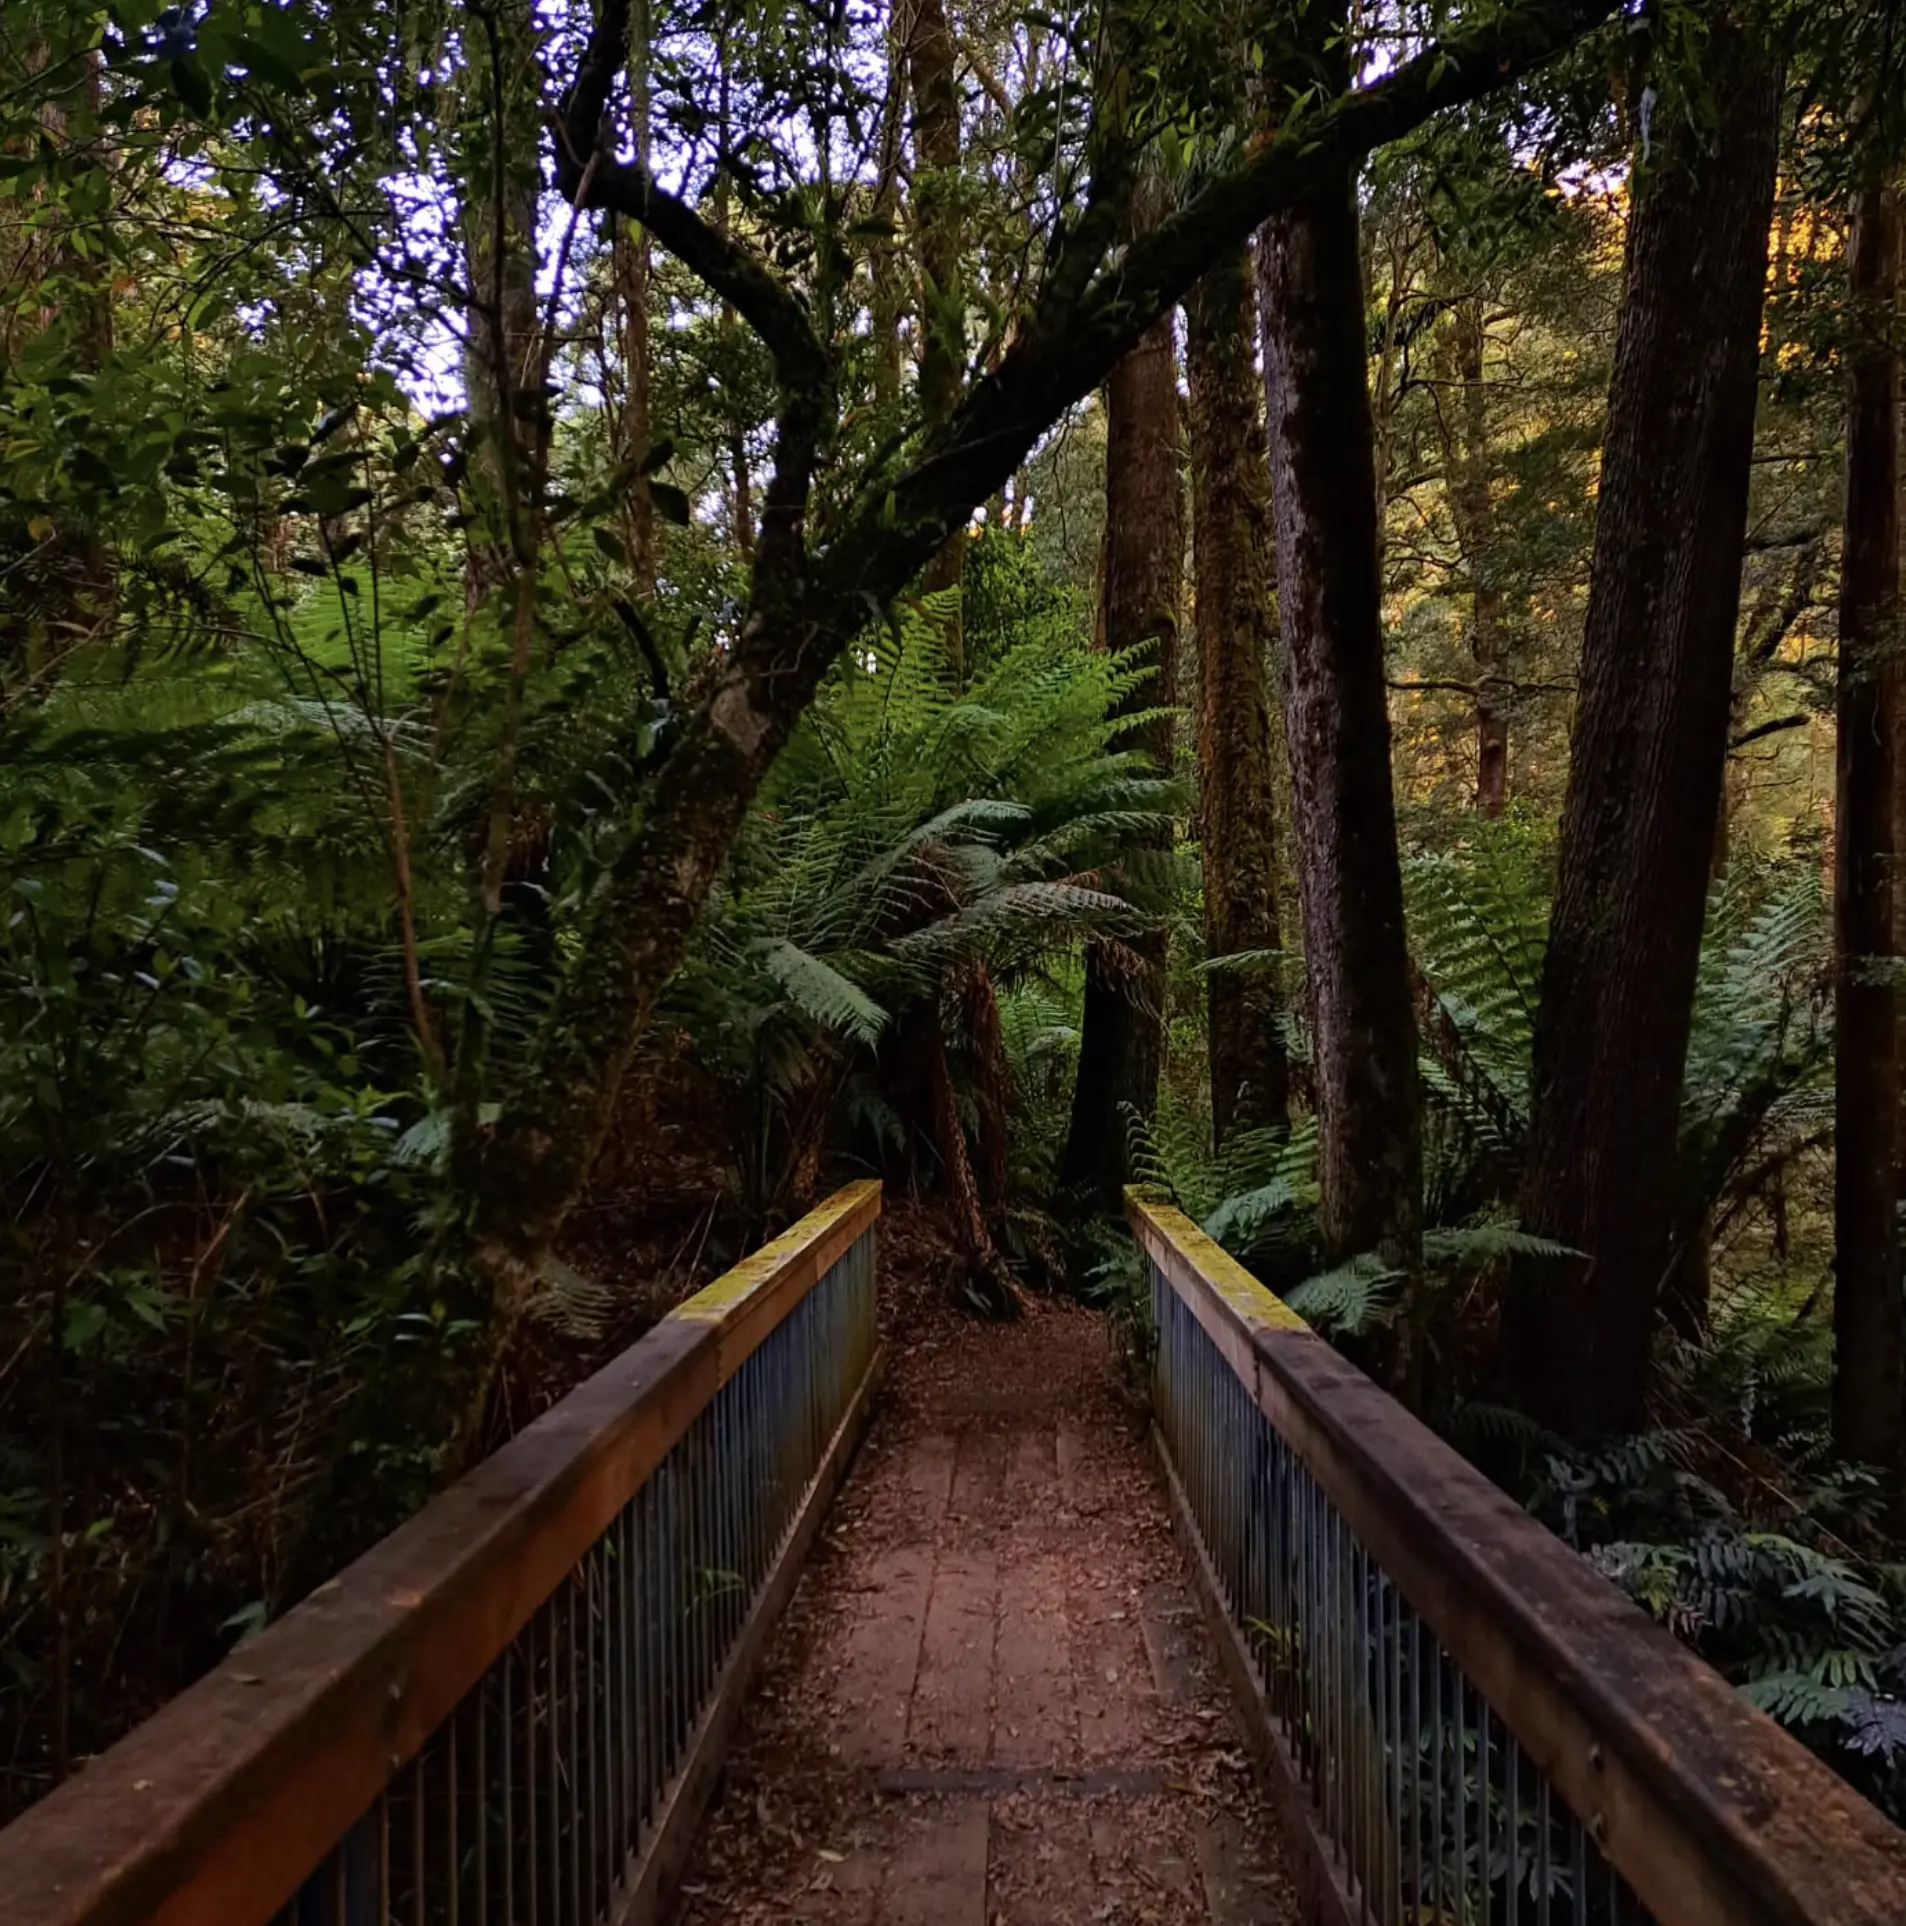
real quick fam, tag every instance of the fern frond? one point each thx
(1012, 910)
(1479, 1243)
(576, 1306)
(1349, 1299)
(822, 993)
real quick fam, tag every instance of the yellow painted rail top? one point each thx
(1712, 1814)
(216, 1808)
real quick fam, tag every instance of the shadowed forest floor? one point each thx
(993, 1701)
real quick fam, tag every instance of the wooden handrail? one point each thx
(218, 1807)
(1713, 1814)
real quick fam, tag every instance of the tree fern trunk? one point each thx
(986, 1044)
(1650, 740)
(991, 1275)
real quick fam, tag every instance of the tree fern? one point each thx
(821, 993)
(911, 833)
(1479, 929)
(1460, 1244)
(1755, 1084)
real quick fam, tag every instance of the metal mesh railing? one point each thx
(1424, 1793)
(530, 1804)
(511, 1711)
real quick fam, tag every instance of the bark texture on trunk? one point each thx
(502, 345)
(936, 186)
(1236, 629)
(631, 265)
(886, 264)
(1322, 442)
(936, 217)
(1899, 706)
(1122, 1035)
(1869, 1335)
(1645, 775)
(632, 298)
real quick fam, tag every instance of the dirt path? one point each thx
(993, 1700)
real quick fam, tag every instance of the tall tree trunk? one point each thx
(1466, 455)
(1121, 1044)
(1899, 703)
(936, 219)
(886, 262)
(936, 186)
(1343, 813)
(631, 265)
(501, 343)
(1869, 1333)
(740, 471)
(1650, 740)
(1232, 540)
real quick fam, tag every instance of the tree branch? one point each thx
(1774, 620)
(1070, 345)
(588, 177)
(724, 265)
(1763, 729)
(1507, 683)
(525, 1176)
(988, 80)
(1278, 166)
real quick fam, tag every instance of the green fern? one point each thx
(576, 1306)
(911, 834)
(1479, 927)
(1473, 1244)
(1350, 1299)
(822, 993)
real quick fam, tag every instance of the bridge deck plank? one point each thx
(993, 1700)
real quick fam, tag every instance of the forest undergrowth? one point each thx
(612, 615)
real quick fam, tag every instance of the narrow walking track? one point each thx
(993, 1701)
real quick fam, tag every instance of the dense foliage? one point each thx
(562, 559)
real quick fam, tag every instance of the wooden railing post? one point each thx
(529, 1682)
(1461, 1707)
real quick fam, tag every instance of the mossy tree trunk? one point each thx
(1121, 1045)
(1650, 740)
(1323, 472)
(1233, 546)
(632, 264)
(1869, 1334)
(934, 82)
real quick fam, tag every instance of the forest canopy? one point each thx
(611, 611)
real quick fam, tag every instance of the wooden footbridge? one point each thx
(1003, 1697)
